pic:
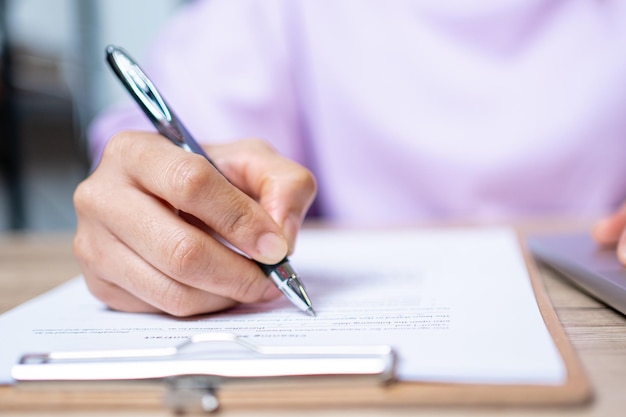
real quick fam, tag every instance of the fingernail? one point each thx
(272, 248)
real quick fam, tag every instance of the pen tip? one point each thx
(311, 312)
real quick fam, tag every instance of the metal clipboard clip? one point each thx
(194, 370)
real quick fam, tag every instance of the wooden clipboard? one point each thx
(575, 390)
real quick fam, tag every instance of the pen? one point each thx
(151, 102)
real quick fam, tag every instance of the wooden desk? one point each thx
(30, 265)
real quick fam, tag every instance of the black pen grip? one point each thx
(268, 269)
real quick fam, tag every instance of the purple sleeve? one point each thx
(223, 67)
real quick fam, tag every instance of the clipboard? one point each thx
(196, 369)
(348, 389)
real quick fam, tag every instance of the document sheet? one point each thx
(456, 305)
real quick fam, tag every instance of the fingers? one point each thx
(188, 183)
(149, 214)
(282, 187)
(149, 291)
(611, 231)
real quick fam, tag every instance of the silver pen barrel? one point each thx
(286, 279)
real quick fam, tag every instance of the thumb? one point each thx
(282, 187)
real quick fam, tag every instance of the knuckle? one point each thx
(185, 254)
(188, 177)
(305, 181)
(117, 145)
(92, 196)
(83, 196)
(239, 219)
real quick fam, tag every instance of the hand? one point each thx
(611, 231)
(148, 218)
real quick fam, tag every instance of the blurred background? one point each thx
(53, 82)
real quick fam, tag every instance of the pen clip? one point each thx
(149, 99)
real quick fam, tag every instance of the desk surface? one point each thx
(30, 265)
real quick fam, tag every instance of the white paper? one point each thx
(457, 306)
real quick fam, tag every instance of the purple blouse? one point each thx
(409, 111)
